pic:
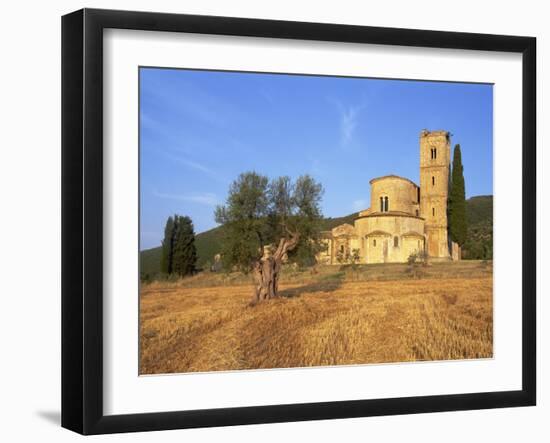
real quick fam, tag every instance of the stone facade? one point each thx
(435, 173)
(403, 218)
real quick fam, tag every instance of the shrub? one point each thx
(145, 277)
(411, 260)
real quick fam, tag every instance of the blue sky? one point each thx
(199, 130)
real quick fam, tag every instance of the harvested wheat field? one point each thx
(375, 315)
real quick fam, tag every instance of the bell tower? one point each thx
(435, 165)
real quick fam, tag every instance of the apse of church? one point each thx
(403, 218)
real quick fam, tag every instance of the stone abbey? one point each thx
(403, 218)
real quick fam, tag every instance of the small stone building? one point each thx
(403, 218)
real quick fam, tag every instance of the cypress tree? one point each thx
(190, 249)
(184, 257)
(457, 203)
(168, 246)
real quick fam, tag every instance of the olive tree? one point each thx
(265, 222)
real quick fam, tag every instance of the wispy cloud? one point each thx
(349, 120)
(267, 95)
(359, 205)
(191, 101)
(195, 165)
(202, 198)
(348, 123)
(150, 123)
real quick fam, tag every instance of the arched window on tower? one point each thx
(386, 204)
(396, 241)
(381, 204)
(433, 212)
(432, 153)
(374, 242)
(433, 180)
(435, 153)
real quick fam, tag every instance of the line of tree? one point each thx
(179, 254)
(265, 222)
(458, 222)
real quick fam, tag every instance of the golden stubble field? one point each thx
(205, 323)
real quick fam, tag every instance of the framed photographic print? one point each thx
(269, 221)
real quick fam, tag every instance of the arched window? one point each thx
(396, 241)
(381, 204)
(433, 212)
(342, 249)
(417, 212)
(432, 153)
(435, 153)
(433, 180)
(386, 204)
(374, 242)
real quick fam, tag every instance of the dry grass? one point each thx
(331, 318)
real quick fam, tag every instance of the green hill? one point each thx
(479, 209)
(149, 261)
(208, 245)
(328, 223)
(478, 245)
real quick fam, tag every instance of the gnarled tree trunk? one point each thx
(267, 270)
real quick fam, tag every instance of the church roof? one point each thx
(392, 176)
(389, 214)
(412, 234)
(378, 232)
(343, 229)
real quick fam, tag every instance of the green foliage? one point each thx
(184, 257)
(355, 256)
(244, 220)
(417, 258)
(259, 213)
(479, 244)
(150, 261)
(458, 223)
(178, 254)
(145, 277)
(348, 257)
(208, 244)
(341, 257)
(328, 223)
(479, 209)
(305, 198)
(168, 246)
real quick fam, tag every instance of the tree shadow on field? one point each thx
(329, 283)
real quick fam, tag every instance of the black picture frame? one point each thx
(82, 218)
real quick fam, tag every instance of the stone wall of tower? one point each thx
(435, 164)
